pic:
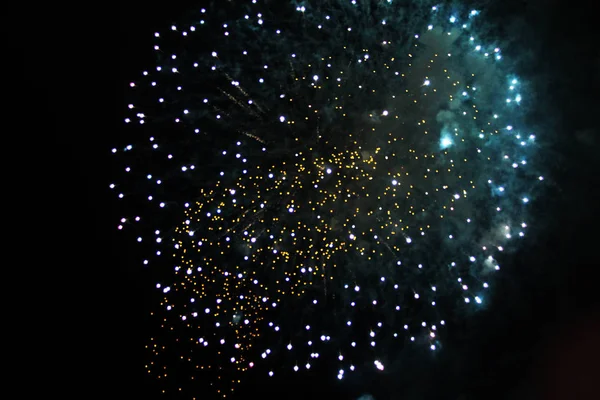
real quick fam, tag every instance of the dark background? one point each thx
(86, 325)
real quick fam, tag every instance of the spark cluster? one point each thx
(329, 183)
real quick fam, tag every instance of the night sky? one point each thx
(539, 338)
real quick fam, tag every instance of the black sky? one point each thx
(71, 65)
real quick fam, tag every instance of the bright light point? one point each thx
(328, 170)
(427, 83)
(478, 299)
(452, 20)
(446, 142)
(394, 182)
(525, 200)
(282, 119)
(430, 27)
(408, 240)
(379, 365)
(315, 78)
